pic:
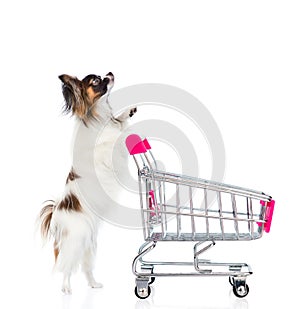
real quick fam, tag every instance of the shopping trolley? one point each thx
(182, 208)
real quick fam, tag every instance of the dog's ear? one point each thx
(73, 95)
(66, 78)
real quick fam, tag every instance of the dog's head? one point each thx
(81, 96)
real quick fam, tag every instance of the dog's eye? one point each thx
(96, 81)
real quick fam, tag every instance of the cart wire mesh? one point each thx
(177, 207)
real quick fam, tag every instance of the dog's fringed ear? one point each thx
(72, 92)
(66, 78)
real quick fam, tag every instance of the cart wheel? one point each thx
(142, 293)
(152, 279)
(241, 291)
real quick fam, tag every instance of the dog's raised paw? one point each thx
(132, 111)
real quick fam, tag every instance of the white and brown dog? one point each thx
(69, 220)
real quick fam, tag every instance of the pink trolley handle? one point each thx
(268, 214)
(135, 145)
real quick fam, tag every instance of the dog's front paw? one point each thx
(128, 113)
(132, 111)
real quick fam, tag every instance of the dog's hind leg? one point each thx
(91, 280)
(66, 286)
(68, 259)
(87, 268)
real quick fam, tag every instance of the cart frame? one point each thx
(157, 213)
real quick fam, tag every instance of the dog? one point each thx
(69, 220)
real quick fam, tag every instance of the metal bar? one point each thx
(236, 222)
(191, 212)
(155, 206)
(250, 216)
(152, 156)
(150, 213)
(211, 185)
(164, 207)
(197, 252)
(136, 162)
(178, 215)
(206, 212)
(202, 237)
(210, 216)
(144, 164)
(182, 207)
(144, 220)
(234, 269)
(149, 163)
(148, 246)
(220, 213)
(197, 273)
(160, 208)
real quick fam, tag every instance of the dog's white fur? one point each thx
(75, 235)
(75, 232)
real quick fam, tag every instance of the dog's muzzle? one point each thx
(110, 76)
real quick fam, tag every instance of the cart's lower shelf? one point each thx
(147, 271)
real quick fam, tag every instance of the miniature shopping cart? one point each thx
(183, 208)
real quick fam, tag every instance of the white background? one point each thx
(239, 58)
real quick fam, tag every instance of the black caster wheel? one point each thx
(241, 291)
(142, 293)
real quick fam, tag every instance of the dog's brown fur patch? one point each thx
(46, 216)
(70, 203)
(91, 94)
(56, 251)
(72, 176)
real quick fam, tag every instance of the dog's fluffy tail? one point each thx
(45, 218)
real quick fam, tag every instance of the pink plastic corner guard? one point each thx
(269, 214)
(151, 200)
(152, 203)
(135, 144)
(146, 143)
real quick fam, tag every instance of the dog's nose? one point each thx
(110, 76)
